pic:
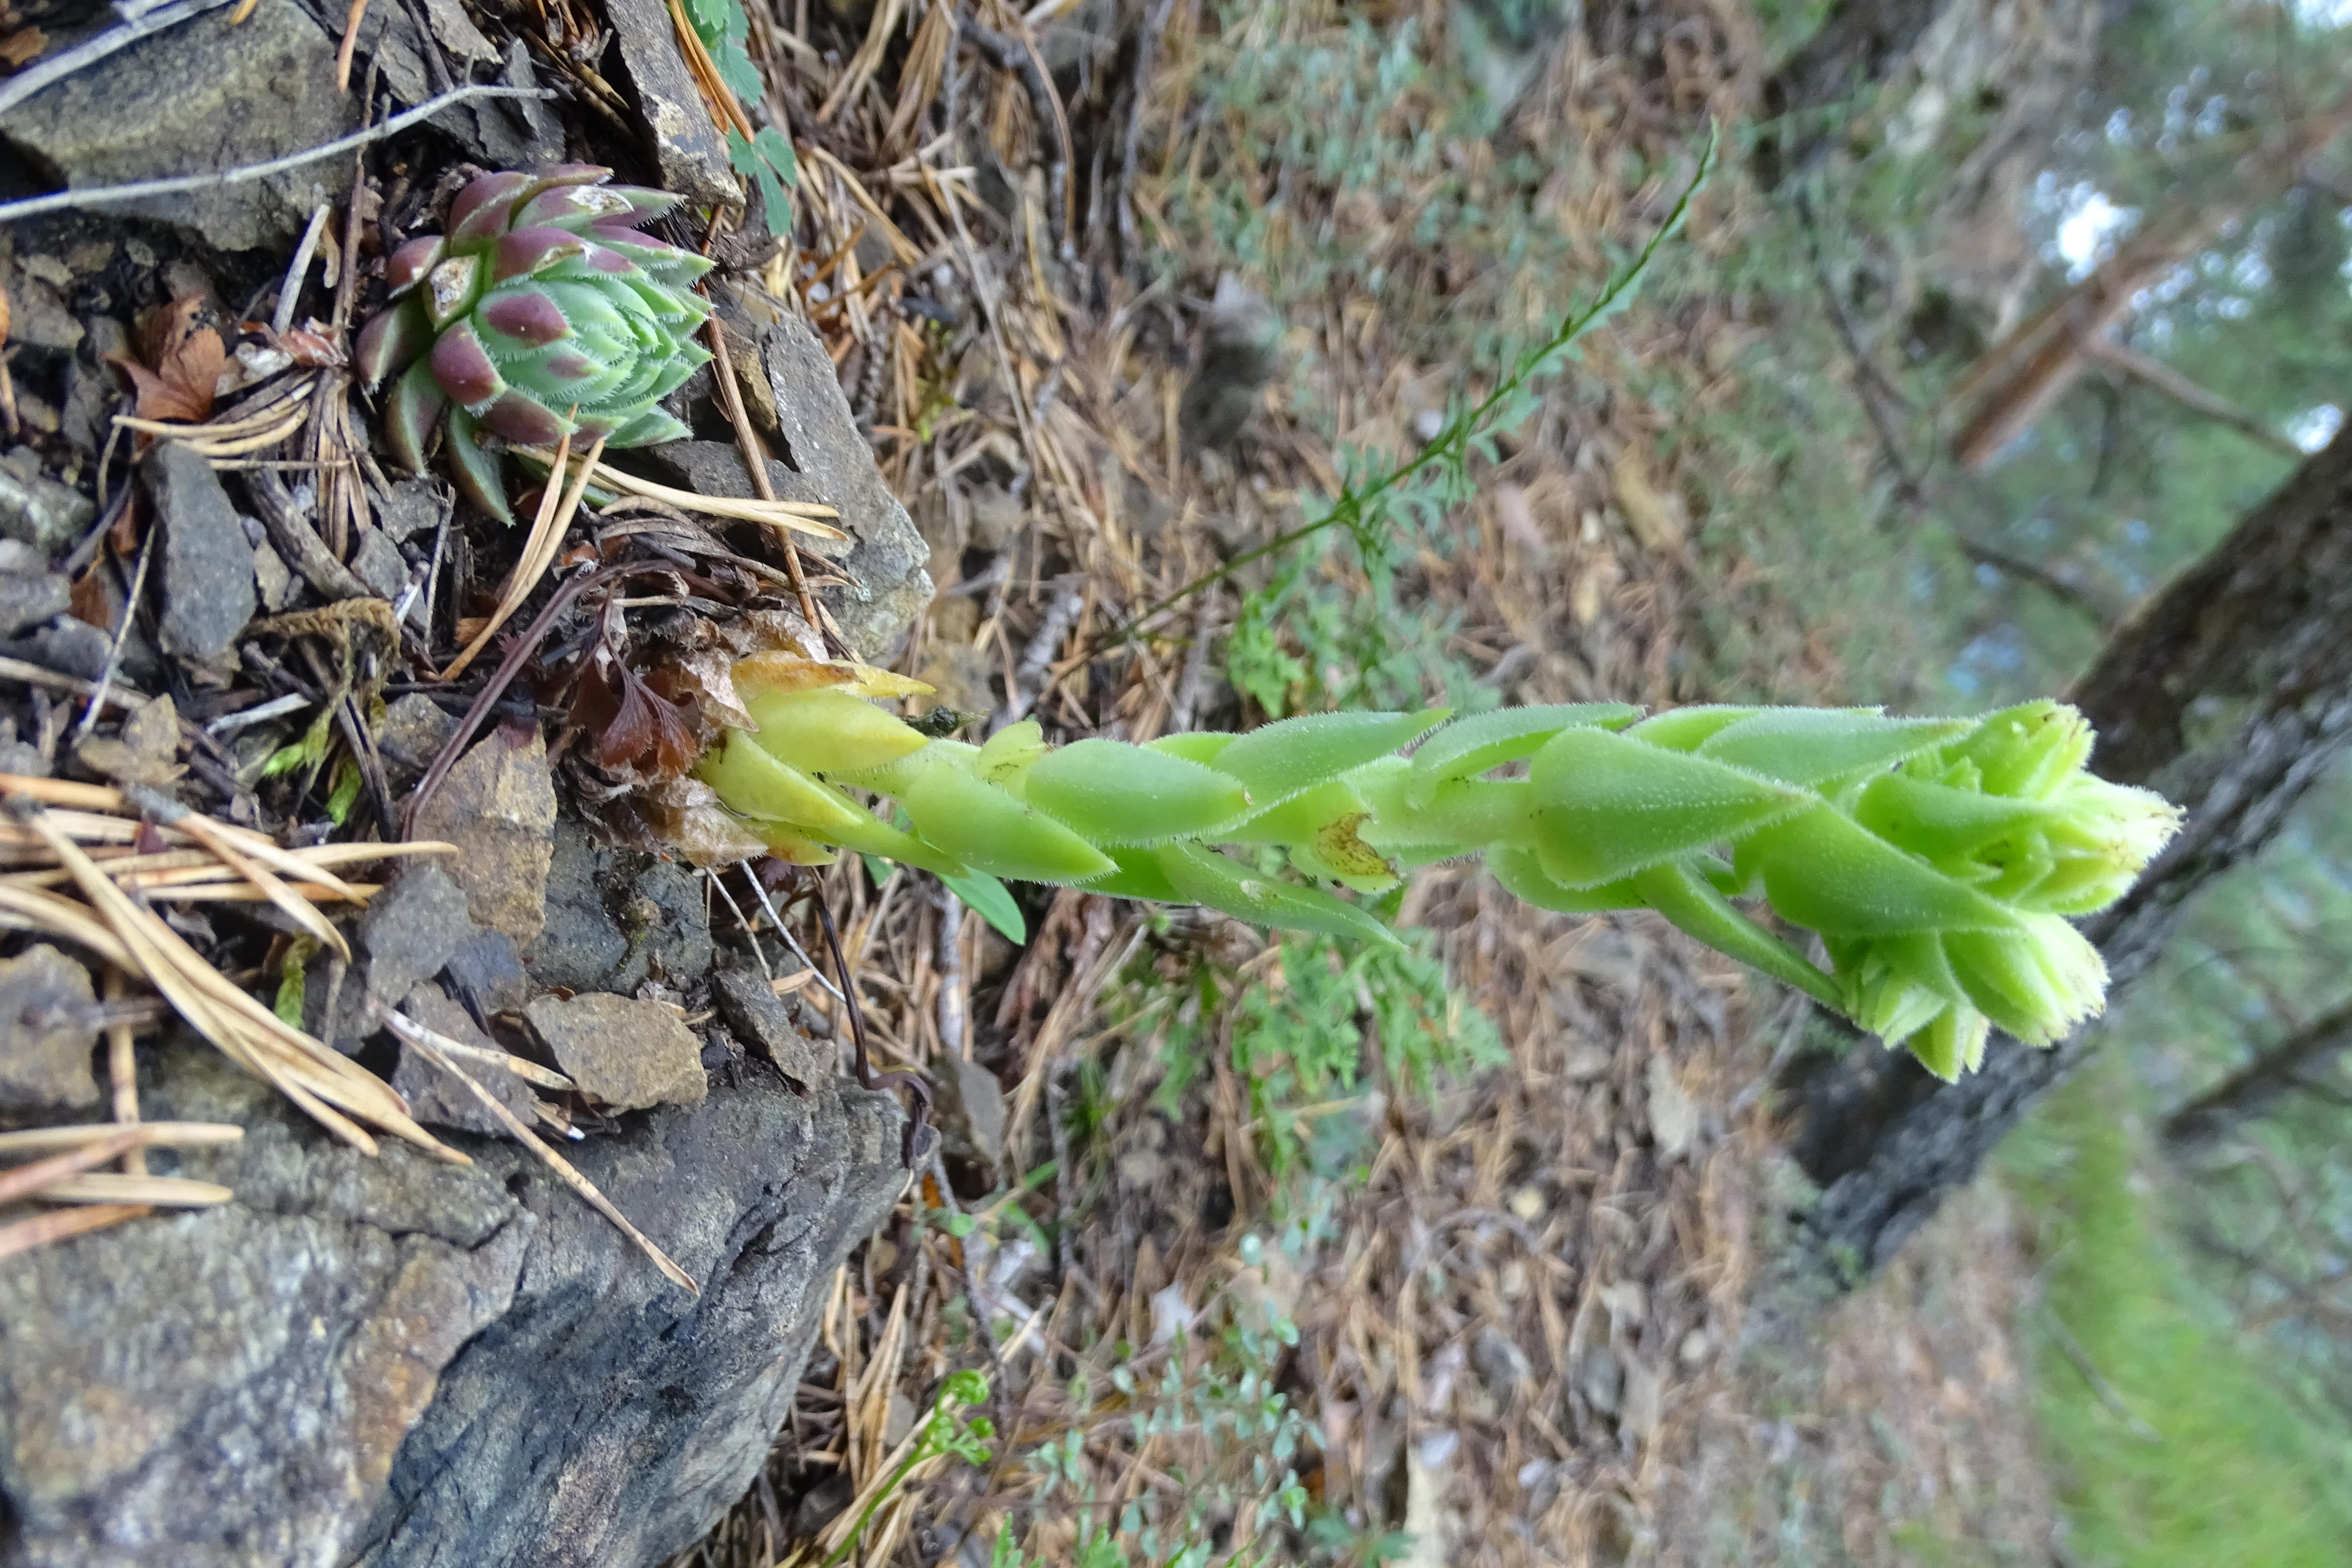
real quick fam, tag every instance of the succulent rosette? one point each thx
(544, 309)
(1939, 860)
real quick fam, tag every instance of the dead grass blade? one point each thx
(248, 1033)
(109, 1187)
(27, 1234)
(426, 1041)
(799, 517)
(149, 1134)
(290, 903)
(557, 507)
(25, 1179)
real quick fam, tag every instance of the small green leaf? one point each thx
(291, 978)
(981, 891)
(346, 792)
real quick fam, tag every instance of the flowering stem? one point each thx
(1938, 861)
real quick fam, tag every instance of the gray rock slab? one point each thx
(208, 580)
(688, 148)
(618, 917)
(625, 1054)
(205, 95)
(45, 1060)
(37, 511)
(751, 1008)
(399, 1363)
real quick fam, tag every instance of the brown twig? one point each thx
(756, 460)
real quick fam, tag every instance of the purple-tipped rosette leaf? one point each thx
(416, 405)
(544, 309)
(474, 471)
(407, 266)
(392, 340)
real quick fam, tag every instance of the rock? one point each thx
(412, 929)
(498, 806)
(37, 511)
(406, 936)
(625, 1054)
(974, 1103)
(402, 1364)
(412, 507)
(1502, 1365)
(486, 968)
(208, 582)
(438, 1100)
(271, 576)
(145, 750)
(415, 727)
(689, 150)
(1238, 358)
(616, 916)
(758, 1018)
(71, 647)
(44, 998)
(376, 562)
(29, 599)
(829, 462)
(1674, 1118)
(206, 94)
(38, 316)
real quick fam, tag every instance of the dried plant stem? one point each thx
(557, 507)
(122, 1075)
(256, 1038)
(97, 702)
(755, 459)
(110, 1187)
(801, 517)
(26, 1180)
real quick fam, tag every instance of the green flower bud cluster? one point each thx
(1939, 860)
(542, 312)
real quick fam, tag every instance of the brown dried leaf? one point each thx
(311, 347)
(706, 679)
(686, 815)
(629, 720)
(18, 48)
(182, 362)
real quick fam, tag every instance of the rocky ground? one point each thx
(645, 1275)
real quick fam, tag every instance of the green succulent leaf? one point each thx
(1937, 860)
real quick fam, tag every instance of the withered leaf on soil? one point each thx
(18, 48)
(628, 720)
(183, 360)
(313, 347)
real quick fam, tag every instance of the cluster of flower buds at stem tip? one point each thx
(543, 310)
(1939, 861)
